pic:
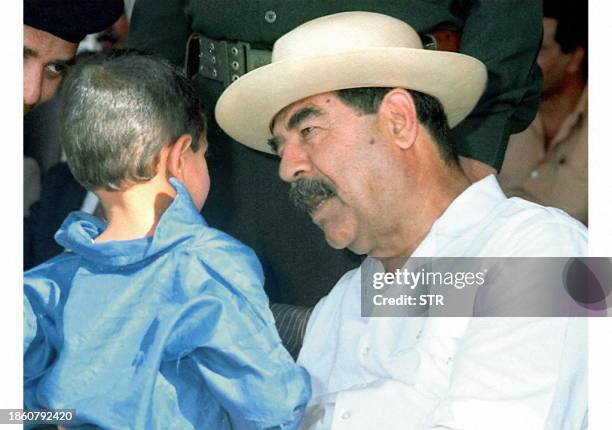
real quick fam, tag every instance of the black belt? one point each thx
(225, 61)
(222, 60)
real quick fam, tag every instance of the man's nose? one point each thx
(295, 162)
(32, 84)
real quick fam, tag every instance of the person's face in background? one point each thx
(555, 63)
(45, 61)
(115, 36)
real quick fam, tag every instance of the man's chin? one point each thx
(334, 244)
(343, 241)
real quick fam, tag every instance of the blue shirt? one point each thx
(171, 331)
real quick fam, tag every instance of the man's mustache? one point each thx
(306, 194)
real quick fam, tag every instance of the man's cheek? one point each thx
(50, 87)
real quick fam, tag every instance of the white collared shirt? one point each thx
(454, 373)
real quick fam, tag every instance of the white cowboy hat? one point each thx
(346, 50)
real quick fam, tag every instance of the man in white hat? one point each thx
(359, 114)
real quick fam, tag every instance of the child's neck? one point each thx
(135, 212)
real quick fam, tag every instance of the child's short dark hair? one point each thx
(119, 111)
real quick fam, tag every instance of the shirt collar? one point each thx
(465, 213)
(180, 222)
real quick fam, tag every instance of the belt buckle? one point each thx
(225, 61)
(213, 59)
(221, 60)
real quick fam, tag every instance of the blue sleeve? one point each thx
(40, 338)
(228, 331)
(242, 361)
(30, 324)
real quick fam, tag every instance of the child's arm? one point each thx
(240, 356)
(41, 297)
(227, 330)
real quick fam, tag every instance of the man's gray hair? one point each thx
(117, 114)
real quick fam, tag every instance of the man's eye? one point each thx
(307, 131)
(56, 70)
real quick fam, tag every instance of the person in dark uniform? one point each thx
(234, 36)
(52, 31)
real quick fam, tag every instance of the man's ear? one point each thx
(175, 161)
(398, 117)
(576, 59)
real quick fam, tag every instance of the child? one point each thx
(154, 319)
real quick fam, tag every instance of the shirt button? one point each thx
(345, 415)
(534, 174)
(270, 16)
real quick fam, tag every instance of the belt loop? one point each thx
(257, 58)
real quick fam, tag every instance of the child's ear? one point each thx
(175, 161)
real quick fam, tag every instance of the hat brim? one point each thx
(245, 109)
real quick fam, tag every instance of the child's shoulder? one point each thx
(54, 271)
(221, 283)
(220, 261)
(45, 288)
